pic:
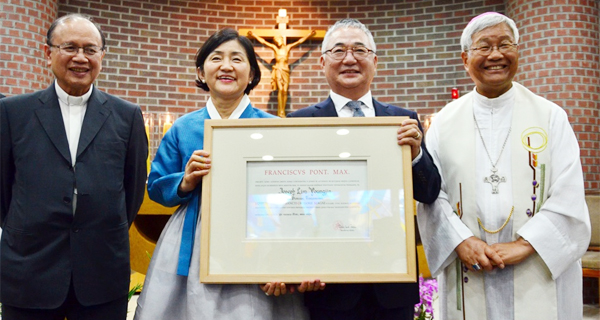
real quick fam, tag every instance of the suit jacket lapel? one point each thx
(96, 114)
(51, 120)
(381, 110)
(325, 109)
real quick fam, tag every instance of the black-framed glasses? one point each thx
(339, 52)
(503, 48)
(71, 50)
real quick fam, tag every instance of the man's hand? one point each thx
(474, 251)
(513, 252)
(409, 134)
(315, 285)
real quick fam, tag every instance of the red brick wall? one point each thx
(151, 46)
(419, 50)
(23, 34)
(560, 61)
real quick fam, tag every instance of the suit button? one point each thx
(67, 200)
(75, 230)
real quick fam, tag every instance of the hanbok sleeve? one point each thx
(560, 232)
(167, 172)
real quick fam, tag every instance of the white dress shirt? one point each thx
(73, 111)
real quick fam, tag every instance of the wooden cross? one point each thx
(282, 30)
(281, 70)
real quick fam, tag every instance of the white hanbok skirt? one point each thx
(166, 295)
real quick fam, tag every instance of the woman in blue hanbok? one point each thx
(228, 70)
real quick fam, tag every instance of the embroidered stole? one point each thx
(534, 288)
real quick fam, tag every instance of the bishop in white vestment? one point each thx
(507, 232)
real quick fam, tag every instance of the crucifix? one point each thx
(494, 179)
(280, 75)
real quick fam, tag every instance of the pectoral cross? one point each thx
(494, 179)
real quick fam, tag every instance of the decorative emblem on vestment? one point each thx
(458, 265)
(535, 140)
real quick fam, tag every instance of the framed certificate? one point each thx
(307, 198)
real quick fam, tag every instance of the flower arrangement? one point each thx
(427, 289)
(134, 290)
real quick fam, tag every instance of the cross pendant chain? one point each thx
(494, 179)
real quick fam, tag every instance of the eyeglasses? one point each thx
(339, 52)
(71, 50)
(503, 48)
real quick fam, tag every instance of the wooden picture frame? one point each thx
(307, 198)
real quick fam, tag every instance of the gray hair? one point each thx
(347, 23)
(484, 21)
(70, 17)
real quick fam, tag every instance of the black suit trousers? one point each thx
(71, 309)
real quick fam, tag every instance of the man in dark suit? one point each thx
(349, 63)
(73, 172)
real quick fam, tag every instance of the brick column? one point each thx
(22, 37)
(559, 60)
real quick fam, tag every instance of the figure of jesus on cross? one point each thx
(280, 74)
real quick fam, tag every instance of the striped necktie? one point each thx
(355, 106)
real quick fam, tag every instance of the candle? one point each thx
(167, 125)
(148, 137)
(454, 93)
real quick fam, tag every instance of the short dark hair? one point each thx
(217, 39)
(68, 17)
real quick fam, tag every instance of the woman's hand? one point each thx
(197, 166)
(274, 288)
(280, 288)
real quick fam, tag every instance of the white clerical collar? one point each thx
(495, 103)
(340, 101)
(72, 100)
(214, 114)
